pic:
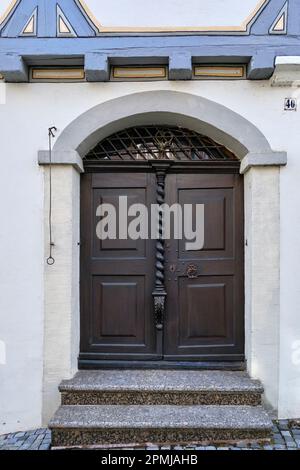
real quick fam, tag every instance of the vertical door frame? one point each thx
(89, 360)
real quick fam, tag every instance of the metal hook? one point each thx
(51, 131)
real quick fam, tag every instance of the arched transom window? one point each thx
(159, 143)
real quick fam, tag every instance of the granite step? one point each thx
(108, 425)
(161, 387)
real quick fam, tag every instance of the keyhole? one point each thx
(172, 268)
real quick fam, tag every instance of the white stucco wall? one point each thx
(29, 110)
(137, 13)
(61, 307)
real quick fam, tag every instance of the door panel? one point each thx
(205, 287)
(202, 310)
(119, 248)
(118, 310)
(117, 276)
(218, 232)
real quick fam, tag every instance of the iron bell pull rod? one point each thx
(51, 134)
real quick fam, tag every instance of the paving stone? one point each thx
(256, 446)
(30, 439)
(291, 444)
(279, 441)
(25, 447)
(35, 446)
(44, 447)
(10, 442)
(40, 439)
(283, 424)
(40, 431)
(240, 445)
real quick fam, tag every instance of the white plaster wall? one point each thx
(137, 13)
(262, 234)
(289, 385)
(29, 110)
(21, 266)
(4, 5)
(61, 331)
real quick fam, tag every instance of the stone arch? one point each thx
(163, 107)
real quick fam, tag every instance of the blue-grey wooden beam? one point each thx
(13, 68)
(47, 18)
(294, 17)
(76, 18)
(268, 15)
(96, 67)
(20, 17)
(261, 66)
(180, 66)
(130, 45)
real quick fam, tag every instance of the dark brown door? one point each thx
(205, 287)
(204, 318)
(117, 276)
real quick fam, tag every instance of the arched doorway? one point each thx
(260, 165)
(154, 301)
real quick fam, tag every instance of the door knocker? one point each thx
(192, 271)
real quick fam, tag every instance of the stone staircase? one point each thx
(134, 407)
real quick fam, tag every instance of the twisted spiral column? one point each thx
(159, 293)
(160, 248)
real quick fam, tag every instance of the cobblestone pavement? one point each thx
(286, 436)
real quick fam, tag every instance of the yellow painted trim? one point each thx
(57, 74)
(248, 20)
(8, 10)
(90, 14)
(280, 25)
(227, 71)
(166, 29)
(145, 72)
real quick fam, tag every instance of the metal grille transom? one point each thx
(159, 143)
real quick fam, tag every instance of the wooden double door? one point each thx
(203, 319)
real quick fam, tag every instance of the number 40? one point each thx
(290, 104)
